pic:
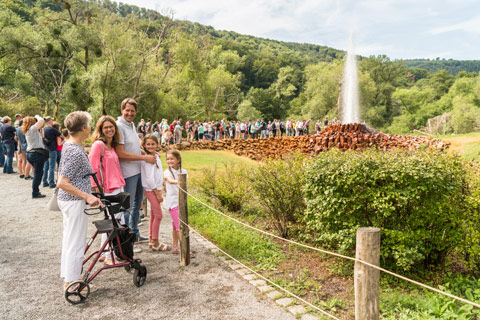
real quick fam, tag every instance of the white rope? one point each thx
(338, 255)
(259, 275)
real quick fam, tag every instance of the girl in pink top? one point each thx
(105, 163)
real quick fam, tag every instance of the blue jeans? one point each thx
(9, 149)
(2, 155)
(37, 161)
(49, 169)
(59, 156)
(134, 188)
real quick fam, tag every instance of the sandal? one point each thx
(108, 262)
(162, 247)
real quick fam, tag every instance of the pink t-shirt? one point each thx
(112, 174)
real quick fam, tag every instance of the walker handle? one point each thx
(94, 176)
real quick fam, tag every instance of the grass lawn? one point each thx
(195, 161)
(468, 145)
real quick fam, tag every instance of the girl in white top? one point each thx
(152, 181)
(174, 162)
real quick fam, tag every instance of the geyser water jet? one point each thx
(350, 102)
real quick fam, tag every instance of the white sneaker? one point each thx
(139, 223)
(136, 249)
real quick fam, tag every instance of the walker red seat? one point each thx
(120, 239)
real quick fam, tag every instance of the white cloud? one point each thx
(393, 27)
(471, 26)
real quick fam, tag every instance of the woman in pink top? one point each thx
(105, 162)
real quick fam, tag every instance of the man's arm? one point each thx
(124, 155)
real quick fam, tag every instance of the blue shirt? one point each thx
(51, 134)
(22, 141)
(8, 134)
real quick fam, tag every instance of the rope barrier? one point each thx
(337, 254)
(259, 275)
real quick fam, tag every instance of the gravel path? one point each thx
(30, 286)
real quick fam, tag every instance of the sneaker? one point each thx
(136, 249)
(141, 239)
(45, 185)
(53, 186)
(139, 224)
(38, 196)
(143, 218)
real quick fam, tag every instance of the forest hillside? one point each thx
(59, 56)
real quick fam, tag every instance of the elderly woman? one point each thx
(73, 195)
(36, 152)
(9, 139)
(106, 164)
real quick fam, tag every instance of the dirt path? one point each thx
(30, 286)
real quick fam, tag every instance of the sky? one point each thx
(401, 29)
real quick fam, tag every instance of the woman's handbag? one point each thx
(53, 203)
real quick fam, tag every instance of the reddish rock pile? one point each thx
(344, 137)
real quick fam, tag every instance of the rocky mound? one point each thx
(343, 137)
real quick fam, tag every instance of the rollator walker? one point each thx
(119, 245)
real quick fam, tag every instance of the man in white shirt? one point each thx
(130, 155)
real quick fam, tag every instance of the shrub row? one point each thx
(426, 203)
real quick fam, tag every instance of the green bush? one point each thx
(470, 247)
(229, 185)
(278, 185)
(416, 198)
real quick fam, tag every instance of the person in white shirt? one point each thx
(174, 162)
(152, 181)
(130, 155)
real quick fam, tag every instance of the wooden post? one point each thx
(366, 278)
(183, 215)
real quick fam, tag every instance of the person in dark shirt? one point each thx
(50, 135)
(9, 139)
(263, 129)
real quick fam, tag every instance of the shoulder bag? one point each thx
(53, 202)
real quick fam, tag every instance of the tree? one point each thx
(320, 96)
(212, 88)
(387, 75)
(247, 112)
(44, 51)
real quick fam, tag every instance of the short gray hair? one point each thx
(77, 121)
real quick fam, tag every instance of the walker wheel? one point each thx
(139, 276)
(128, 267)
(77, 292)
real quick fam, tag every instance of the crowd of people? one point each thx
(124, 161)
(221, 129)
